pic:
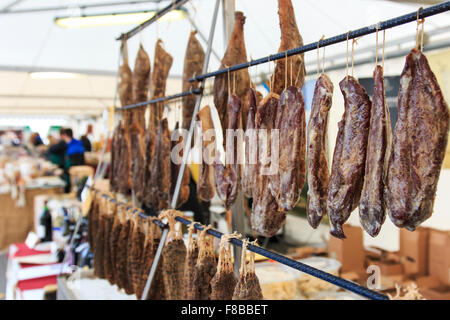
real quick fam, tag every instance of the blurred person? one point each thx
(75, 149)
(74, 155)
(86, 143)
(36, 140)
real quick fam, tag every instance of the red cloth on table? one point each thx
(37, 283)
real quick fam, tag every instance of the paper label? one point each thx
(32, 238)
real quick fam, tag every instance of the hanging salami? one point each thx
(290, 38)
(248, 287)
(193, 64)
(224, 281)
(371, 207)
(287, 183)
(318, 174)
(239, 80)
(418, 146)
(205, 184)
(189, 268)
(205, 268)
(349, 158)
(173, 258)
(227, 177)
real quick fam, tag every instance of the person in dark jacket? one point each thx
(86, 143)
(74, 155)
(56, 153)
(75, 149)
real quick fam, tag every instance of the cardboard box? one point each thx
(388, 267)
(305, 252)
(439, 246)
(376, 253)
(439, 255)
(438, 293)
(427, 282)
(389, 282)
(440, 270)
(349, 251)
(414, 251)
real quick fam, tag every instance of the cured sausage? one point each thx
(239, 80)
(141, 79)
(189, 268)
(318, 174)
(248, 287)
(251, 149)
(137, 139)
(193, 64)
(173, 258)
(115, 156)
(418, 146)
(288, 182)
(161, 67)
(183, 195)
(150, 142)
(114, 239)
(349, 158)
(160, 178)
(205, 268)
(108, 220)
(371, 207)
(205, 184)
(137, 253)
(227, 177)
(124, 175)
(290, 38)
(125, 85)
(266, 216)
(224, 281)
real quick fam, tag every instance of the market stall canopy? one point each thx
(35, 43)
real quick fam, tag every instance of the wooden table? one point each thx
(16, 222)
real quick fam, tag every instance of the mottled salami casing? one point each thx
(418, 146)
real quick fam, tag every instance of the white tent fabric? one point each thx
(32, 41)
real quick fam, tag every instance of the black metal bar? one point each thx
(174, 5)
(410, 17)
(175, 96)
(393, 55)
(159, 223)
(343, 283)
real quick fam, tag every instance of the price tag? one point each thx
(110, 122)
(32, 239)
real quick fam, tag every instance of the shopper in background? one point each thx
(86, 143)
(36, 140)
(56, 152)
(74, 155)
(75, 149)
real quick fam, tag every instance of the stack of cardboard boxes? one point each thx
(423, 258)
